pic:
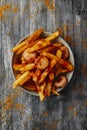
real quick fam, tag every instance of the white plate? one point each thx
(71, 59)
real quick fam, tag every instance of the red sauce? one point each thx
(59, 79)
(17, 59)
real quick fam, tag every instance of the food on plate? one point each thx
(41, 64)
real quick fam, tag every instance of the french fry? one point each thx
(43, 76)
(49, 48)
(19, 80)
(48, 89)
(52, 36)
(35, 35)
(19, 46)
(29, 39)
(49, 84)
(59, 53)
(51, 76)
(66, 64)
(41, 91)
(55, 92)
(57, 44)
(29, 66)
(23, 60)
(30, 88)
(49, 55)
(36, 75)
(17, 66)
(21, 49)
(39, 45)
(25, 80)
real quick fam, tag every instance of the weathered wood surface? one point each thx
(68, 112)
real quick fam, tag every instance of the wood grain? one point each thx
(67, 112)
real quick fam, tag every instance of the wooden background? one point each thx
(20, 110)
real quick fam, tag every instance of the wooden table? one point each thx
(20, 110)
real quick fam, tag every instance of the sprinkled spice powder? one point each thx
(10, 103)
(85, 45)
(45, 114)
(86, 103)
(50, 4)
(3, 9)
(75, 113)
(70, 108)
(15, 9)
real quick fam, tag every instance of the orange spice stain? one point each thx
(49, 4)
(45, 114)
(30, 118)
(54, 124)
(20, 106)
(70, 108)
(36, 128)
(15, 9)
(75, 113)
(10, 103)
(85, 45)
(65, 27)
(27, 7)
(3, 9)
(68, 38)
(31, 16)
(60, 30)
(86, 103)
(1, 103)
(77, 129)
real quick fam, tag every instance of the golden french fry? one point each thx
(21, 49)
(49, 84)
(57, 44)
(35, 35)
(49, 48)
(52, 36)
(25, 80)
(29, 66)
(17, 47)
(49, 55)
(51, 76)
(19, 80)
(55, 92)
(36, 75)
(23, 60)
(29, 39)
(17, 66)
(39, 45)
(43, 76)
(48, 89)
(66, 64)
(41, 91)
(59, 53)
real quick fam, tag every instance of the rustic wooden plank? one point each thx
(59, 113)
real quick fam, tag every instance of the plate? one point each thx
(71, 59)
